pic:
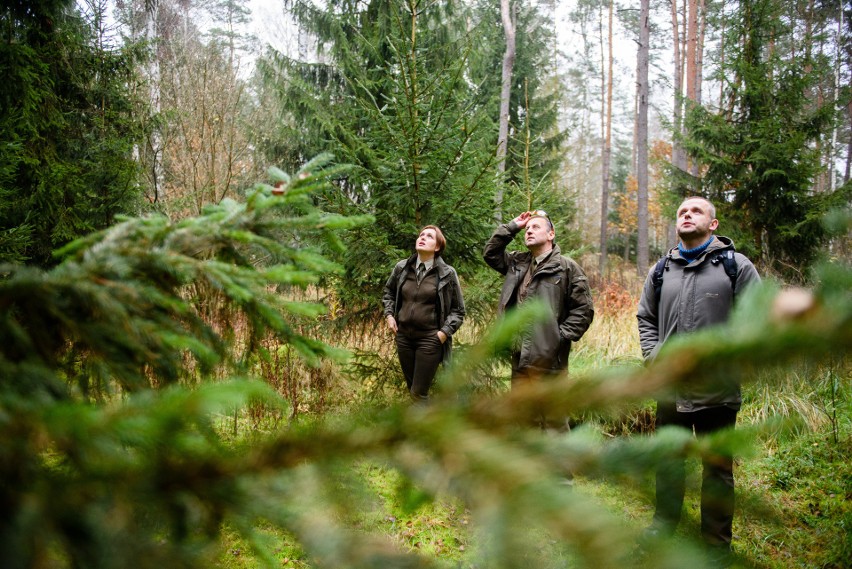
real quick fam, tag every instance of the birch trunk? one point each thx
(837, 65)
(505, 94)
(156, 138)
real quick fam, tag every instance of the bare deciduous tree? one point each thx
(206, 146)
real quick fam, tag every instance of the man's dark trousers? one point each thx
(717, 488)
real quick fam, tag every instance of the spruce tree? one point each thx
(110, 460)
(760, 152)
(409, 93)
(392, 93)
(65, 163)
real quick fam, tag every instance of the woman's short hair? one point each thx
(440, 240)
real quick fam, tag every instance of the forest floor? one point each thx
(794, 489)
(796, 497)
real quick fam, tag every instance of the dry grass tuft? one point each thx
(613, 338)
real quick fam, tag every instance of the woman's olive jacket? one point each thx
(450, 301)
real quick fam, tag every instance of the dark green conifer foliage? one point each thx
(113, 318)
(532, 166)
(761, 152)
(113, 313)
(65, 158)
(394, 96)
(408, 92)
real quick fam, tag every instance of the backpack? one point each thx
(726, 257)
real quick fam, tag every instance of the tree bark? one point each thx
(642, 138)
(699, 50)
(607, 145)
(849, 146)
(155, 139)
(693, 58)
(505, 94)
(698, 79)
(722, 24)
(678, 154)
(837, 66)
(692, 50)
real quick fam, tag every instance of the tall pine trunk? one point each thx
(678, 153)
(606, 86)
(642, 138)
(694, 57)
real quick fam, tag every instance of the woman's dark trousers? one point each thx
(420, 354)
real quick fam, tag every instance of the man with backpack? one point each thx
(695, 286)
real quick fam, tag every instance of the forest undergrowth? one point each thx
(794, 483)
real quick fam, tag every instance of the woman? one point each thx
(424, 308)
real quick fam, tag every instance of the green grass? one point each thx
(434, 527)
(794, 511)
(237, 553)
(806, 484)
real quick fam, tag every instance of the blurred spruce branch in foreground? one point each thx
(144, 480)
(117, 311)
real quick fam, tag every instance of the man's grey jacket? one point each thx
(560, 283)
(694, 295)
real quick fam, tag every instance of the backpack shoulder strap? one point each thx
(727, 258)
(657, 278)
(729, 262)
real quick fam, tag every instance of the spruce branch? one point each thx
(119, 301)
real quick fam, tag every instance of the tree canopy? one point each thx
(762, 150)
(406, 92)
